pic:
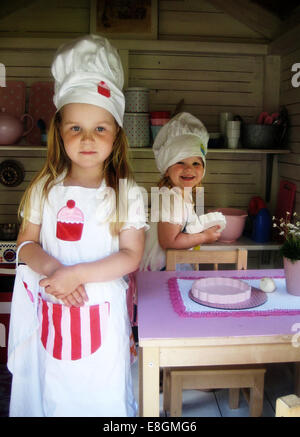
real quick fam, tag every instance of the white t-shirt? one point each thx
(172, 208)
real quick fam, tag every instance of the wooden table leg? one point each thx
(297, 379)
(149, 381)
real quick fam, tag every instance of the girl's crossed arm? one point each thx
(116, 265)
(39, 261)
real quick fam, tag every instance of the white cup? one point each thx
(233, 141)
(224, 117)
(233, 124)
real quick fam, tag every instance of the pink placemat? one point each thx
(278, 303)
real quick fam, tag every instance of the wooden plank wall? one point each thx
(289, 167)
(230, 180)
(209, 83)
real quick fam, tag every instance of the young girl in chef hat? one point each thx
(69, 335)
(179, 149)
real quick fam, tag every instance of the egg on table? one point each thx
(267, 285)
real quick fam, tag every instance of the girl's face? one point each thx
(88, 133)
(187, 173)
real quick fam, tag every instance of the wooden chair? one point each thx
(249, 379)
(288, 406)
(233, 377)
(231, 256)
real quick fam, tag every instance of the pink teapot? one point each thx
(12, 128)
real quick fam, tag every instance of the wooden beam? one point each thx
(271, 83)
(143, 45)
(9, 7)
(285, 42)
(252, 15)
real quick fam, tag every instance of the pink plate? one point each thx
(222, 291)
(257, 298)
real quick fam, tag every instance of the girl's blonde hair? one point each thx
(115, 167)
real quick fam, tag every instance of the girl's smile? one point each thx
(186, 173)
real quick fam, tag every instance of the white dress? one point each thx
(179, 211)
(72, 361)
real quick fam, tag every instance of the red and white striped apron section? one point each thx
(71, 333)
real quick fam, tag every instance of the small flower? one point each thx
(289, 229)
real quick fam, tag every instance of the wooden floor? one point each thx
(196, 403)
(279, 381)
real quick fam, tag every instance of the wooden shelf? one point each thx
(263, 151)
(243, 243)
(149, 149)
(22, 147)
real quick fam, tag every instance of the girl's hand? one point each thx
(62, 283)
(211, 234)
(76, 298)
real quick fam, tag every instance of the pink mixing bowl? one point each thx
(235, 223)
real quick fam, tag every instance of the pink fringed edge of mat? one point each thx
(180, 309)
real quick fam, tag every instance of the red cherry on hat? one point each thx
(103, 89)
(70, 204)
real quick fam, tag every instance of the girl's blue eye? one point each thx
(75, 128)
(100, 129)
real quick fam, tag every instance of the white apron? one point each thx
(71, 361)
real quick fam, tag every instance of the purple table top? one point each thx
(158, 320)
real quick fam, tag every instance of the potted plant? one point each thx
(289, 229)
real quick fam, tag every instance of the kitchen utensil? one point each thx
(235, 223)
(42, 126)
(178, 108)
(224, 117)
(221, 290)
(12, 128)
(255, 204)
(285, 204)
(216, 140)
(12, 97)
(41, 107)
(137, 129)
(154, 131)
(11, 173)
(233, 141)
(160, 114)
(265, 118)
(233, 133)
(262, 136)
(262, 225)
(136, 100)
(8, 231)
(257, 298)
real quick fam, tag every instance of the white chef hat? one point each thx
(89, 70)
(182, 137)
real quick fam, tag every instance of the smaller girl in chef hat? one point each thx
(179, 149)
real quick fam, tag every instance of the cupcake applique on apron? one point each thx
(70, 220)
